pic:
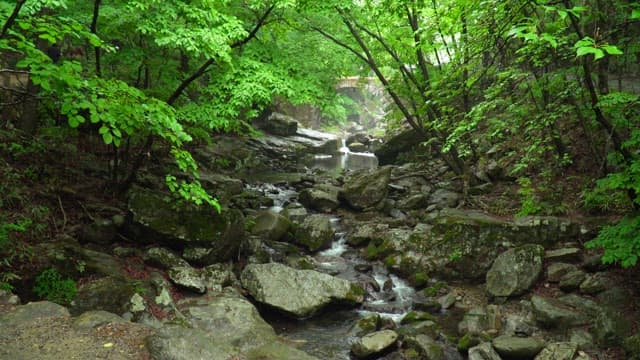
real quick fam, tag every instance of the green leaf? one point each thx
(597, 53)
(612, 50)
(107, 138)
(635, 14)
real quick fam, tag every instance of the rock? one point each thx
(397, 144)
(315, 232)
(518, 325)
(163, 258)
(280, 124)
(321, 198)
(476, 239)
(447, 300)
(175, 342)
(595, 283)
(366, 325)
(443, 198)
(426, 346)
(278, 351)
(363, 234)
(571, 281)
(555, 313)
(483, 351)
(31, 312)
(101, 232)
(517, 347)
(110, 294)
(417, 316)
(295, 212)
(188, 278)
(358, 147)
(6, 297)
(153, 219)
(91, 319)
(200, 256)
(222, 186)
(556, 271)
(299, 293)
(515, 271)
(366, 189)
(571, 255)
(271, 225)
(558, 351)
(413, 202)
(611, 327)
(218, 276)
(473, 322)
(374, 343)
(582, 339)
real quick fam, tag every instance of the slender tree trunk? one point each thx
(12, 18)
(94, 30)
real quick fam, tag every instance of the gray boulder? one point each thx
(315, 232)
(556, 271)
(31, 312)
(400, 143)
(358, 147)
(557, 313)
(188, 278)
(558, 351)
(515, 271)
(517, 347)
(163, 258)
(426, 346)
(91, 319)
(483, 351)
(109, 293)
(280, 124)
(271, 225)
(373, 343)
(298, 293)
(366, 189)
(595, 283)
(154, 219)
(101, 231)
(570, 255)
(572, 280)
(443, 198)
(323, 198)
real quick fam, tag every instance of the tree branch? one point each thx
(12, 18)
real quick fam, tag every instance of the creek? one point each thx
(329, 335)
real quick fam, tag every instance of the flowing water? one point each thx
(344, 159)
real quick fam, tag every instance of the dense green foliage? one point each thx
(544, 88)
(52, 286)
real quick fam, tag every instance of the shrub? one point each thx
(51, 286)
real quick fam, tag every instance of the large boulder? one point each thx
(463, 244)
(366, 189)
(280, 124)
(222, 327)
(152, 218)
(271, 225)
(315, 232)
(373, 343)
(518, 347)
(112, 294)
(323, 198)
(400, 143)
(515, 271)
(560, 313)
(298, 293)
(483, 351)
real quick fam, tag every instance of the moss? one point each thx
(419, 279)
(467, 342)
(416, 316)
(356, 294)
(380, 251)
(412, 354)
(390, 261)
(369, 323)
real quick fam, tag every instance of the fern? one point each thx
(621, 242)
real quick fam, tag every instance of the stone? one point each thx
(518, 325)
(515, 271)
(595, 283)
(218, 276)
(298, 293)
(571, 255)
(582, 339)
(426, 346)
(374, 343)
(358, 147)
(417, 316)
(366, 189)
(222, 186)
(178, 225)
(199, 255)
(31, 312)
(556, 271)
(271, 225)
(187, 278)
(443, 198)
(611, 327)
(6, 297)
(315, 232)
(397, 144)
(483, 351)
(278, 351)
(163, 258)
(473, 322)
(363, 234)
(571, 281)
(109, 293)
(517, 347)
(100, 231)
(93, 318)
(414, 202)
(323, 198)
(558, 351)
(295, 212)
(554, 313)
(280, 124)
(448, 300)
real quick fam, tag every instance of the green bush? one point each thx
(51, 286)
(621, 242)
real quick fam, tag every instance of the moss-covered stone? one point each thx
(417, 316)
(468, 341)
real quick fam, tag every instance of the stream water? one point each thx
(329, 335)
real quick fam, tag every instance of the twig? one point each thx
(64, 214)
(86, 212)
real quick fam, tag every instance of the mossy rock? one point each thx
(154, 218)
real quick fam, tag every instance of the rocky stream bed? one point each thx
(324, 255)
